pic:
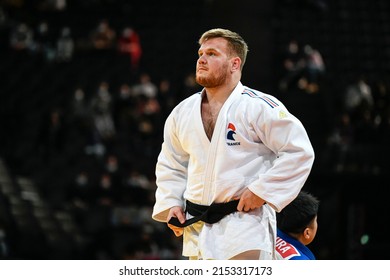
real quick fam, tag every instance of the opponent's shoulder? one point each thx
(285, 249)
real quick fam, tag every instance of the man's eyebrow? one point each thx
(208, 49)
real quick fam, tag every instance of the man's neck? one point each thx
(219, 94)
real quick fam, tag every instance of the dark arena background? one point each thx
(86, 86)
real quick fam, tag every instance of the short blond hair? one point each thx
(236, 43)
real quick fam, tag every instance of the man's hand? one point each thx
(249, 201)
(178, 213)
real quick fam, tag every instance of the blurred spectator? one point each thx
(21, 37)
(146, 118)
(113, 168)
(53, 135)
(146, 131)
(152, 107)
(79, 122)
(54, 5)
(384, 128)
(129, 43)
(293, 65)
(80, 190)
(382, 111)
(6, 231)
(340, 142)
(3, 18)
(103, 36)
(136, 188)
(358, 98)
(123, 109)
(101, 107)
(166, 98)
(365, 129)
(78, 107)
(145, 86)
(43, 43)
(382, 98)
(189, 86)
(4, 247)
(124, 214)
(137, 180)
(313, 71)
(112, 165)
(106, 191)
(146, 111)
(65, 45)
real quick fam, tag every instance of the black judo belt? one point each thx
(208, 214)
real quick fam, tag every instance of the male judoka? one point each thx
(231, 157)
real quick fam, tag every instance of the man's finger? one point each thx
(180, 216)
(240, 206)
(176, 212)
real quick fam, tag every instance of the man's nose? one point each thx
(201, 60)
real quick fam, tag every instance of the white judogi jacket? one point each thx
(256, 144)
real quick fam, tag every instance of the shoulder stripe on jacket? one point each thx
(266, 99)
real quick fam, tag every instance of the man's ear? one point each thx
(236, 63)
(307, 233)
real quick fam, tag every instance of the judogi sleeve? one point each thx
(171, 172)
(285, 135)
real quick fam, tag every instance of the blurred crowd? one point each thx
(360, 124)
(78, 175)
(94, 149)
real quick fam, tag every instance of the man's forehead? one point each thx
(214, 43)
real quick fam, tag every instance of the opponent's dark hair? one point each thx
(298, 215)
